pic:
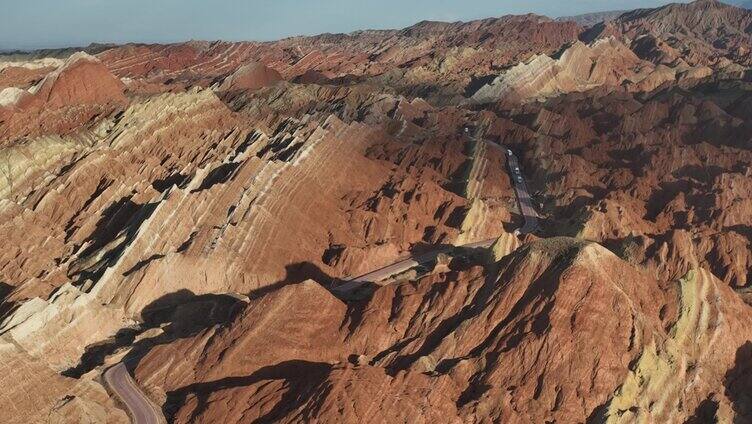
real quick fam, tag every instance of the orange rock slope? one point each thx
(192, 211)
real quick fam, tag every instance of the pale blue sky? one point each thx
(56, 23)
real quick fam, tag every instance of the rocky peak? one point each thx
(82, 79)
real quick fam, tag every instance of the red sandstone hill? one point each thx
(194, 211)
(704, 30)
(64, 99)
(414, 57)
(82, 79)
(251, 77)
(559, 331)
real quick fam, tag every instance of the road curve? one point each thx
(402, 266)
(140, 408)
(526, 210)
(143, 411)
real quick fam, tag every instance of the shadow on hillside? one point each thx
(738, 383)
(178, 179)
(303, 381)
(183, 314)
(180, 314)
(704, 413)
(295, 273)
(218, 175)
(516, 222)
(121, 217)
(421, 248)
(6, 307)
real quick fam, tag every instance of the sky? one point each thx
(31, 24)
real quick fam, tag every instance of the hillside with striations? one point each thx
(513, 219)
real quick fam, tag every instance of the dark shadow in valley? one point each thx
(516, 223)
(660, 197)
(599, 414)
(218, 175)
(142, 263)
(304, 384)
(123, 217)
(738, 383)
(633, 158)
(704, 174)
(419, 249)
(112, 220)
(183, 314)
(95, 354)
(705, 412)
(476, 83)
(6, 307)
(456, 217)
(180, 314)
(176, 179)
(295, 273)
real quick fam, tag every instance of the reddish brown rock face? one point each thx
(65, 99)
(196, 210)
(251, 77)
(705, 30)
(556, 311)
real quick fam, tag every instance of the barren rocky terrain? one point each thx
(190, 210)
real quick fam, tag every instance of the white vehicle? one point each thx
(509, 152)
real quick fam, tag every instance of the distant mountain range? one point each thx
(747, 4)
(590, 19)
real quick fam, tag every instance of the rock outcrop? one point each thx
(62, 101)
(704, 30)
(637, 349)
(195, 211)
(251, 77)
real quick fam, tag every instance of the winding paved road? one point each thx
(143, 411)
(524, 200)
(140, 408)
(402, 266)
(526, 210)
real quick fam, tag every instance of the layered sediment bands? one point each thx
(671, 162)
(667, 375)
(704, 31)
(65, 99)
(637, 51)
(402, 58)
(186, 209)
(444, 330)
(36, 393)
(487, 205)
(219, 208)
(82, 190)
(606, 63)
(578, 67)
